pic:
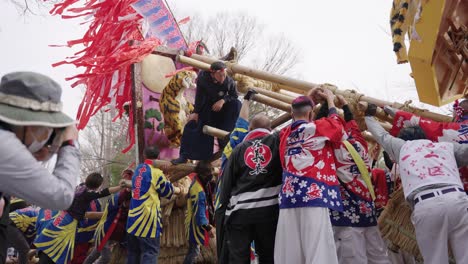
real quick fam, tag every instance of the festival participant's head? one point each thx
(151, 152)
(94, 181)
(218, 71)
(260, 121)
(412, 133)
(301, 108)
(204, 170)
(127, 174)
(30, 107)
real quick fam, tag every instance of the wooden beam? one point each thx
(215, 132)
(137, 109)
(271, 102)
(303, 87)
(281, 97)
(281, 120)
(194, 63)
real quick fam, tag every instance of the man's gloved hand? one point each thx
(371, 109)
(249, 94)
(390, 111)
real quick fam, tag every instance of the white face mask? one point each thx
(35, 146)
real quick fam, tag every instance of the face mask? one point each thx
(36, 145)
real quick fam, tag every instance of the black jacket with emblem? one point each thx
(252, 180)
(209, 92)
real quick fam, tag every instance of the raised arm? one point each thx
(24, 177)
(461, 154)
(391, 144)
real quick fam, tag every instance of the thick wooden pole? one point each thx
(282, 80)
(272, 102)
(281, 97)
(137, 109)
(302, 87)
(175, 172)
(194, 63)
(281, 120)
(215, 132)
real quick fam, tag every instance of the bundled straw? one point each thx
(395, 224)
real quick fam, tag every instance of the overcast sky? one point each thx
(346, 43)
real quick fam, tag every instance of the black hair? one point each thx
(203, 167)
(217, 65)
(151, 152)
(94, 180)
(412, 133)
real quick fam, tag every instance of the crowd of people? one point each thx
(306, 193)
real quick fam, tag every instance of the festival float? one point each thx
(137, 61)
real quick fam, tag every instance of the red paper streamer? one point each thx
(107, 56)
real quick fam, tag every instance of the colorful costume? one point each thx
(22, 231)
(144, 224)
(357, 236)
(57, 239)
(431, 184)
(112, 226)
(310, 186)
(25, 220)
(197, 219)
(85, 234)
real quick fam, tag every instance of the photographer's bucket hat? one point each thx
(31, 99)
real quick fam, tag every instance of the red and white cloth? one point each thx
(309, 170)
(435, 131)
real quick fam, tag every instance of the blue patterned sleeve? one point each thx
(201, 214)
(163, 186)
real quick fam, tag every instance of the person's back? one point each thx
(309, 164)
(424, 163)
(199, 216)
(355, 228)
(433, 188)
(310, 186)
(149, 185)
(144, 224)
(249, 190)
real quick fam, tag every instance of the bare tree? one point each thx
(102, 144)
(280, 56)
(32, 7)
(223, 31)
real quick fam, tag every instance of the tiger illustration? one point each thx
(175, 107)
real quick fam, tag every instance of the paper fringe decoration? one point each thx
(107, 56)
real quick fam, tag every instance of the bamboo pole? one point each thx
(380, 114)
(215, 132)
(175, 172)
(236, 68)
(195, 63)
(281, 120)
(271, 102)
(281, 97)
(288, 83)
(210, 60)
